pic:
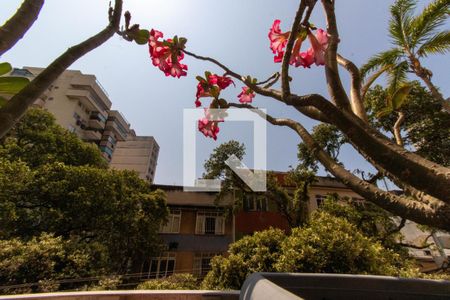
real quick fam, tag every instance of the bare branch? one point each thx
(335, 88)
(18, 104)
(355, 89)
(285, 88)
(15, 28)
(397, 129)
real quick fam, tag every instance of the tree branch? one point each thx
(285, 88)
(402, 164)
(18, 104)
(15, 28)
(335, 88)
(397, 129)
(355, 89)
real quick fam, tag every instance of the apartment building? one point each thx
(139, 153)
(81, 105)
(197, 230)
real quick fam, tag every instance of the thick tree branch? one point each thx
(406, 166)
(15, 28)
(18, 104)
(355, 89)
(403, 206)
(335, 88)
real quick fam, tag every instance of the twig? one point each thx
(397, 131)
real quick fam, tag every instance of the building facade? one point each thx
(139, 153)
(81, 105)
(197, 230)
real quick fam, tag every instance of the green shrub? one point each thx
(173, 282)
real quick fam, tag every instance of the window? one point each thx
(210, 223)
(427, 252)
(161, 266)
(202, 263)
(71, 129)
(358, 201)
(320, 200)
(255, 203)
(173, 223)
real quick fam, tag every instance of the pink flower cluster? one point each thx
(166, 54)
(211, 86)
(315, 54)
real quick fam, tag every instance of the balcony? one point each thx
(97, 120)
(85, 97)
(119, 132)
(91, 135)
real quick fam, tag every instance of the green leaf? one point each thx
(400, 95)
(200, 78)
(384, 112)
(5, 68)
(12, 85)
(142, 36)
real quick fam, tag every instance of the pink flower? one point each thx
(278, 40)
(319, 44)
(166, 57)
(221, 81)
(307, 58)
(208, 127)
(246, 96)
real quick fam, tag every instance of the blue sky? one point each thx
(234, 32)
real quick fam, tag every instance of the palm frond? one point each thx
(439, 43)
(382, 59)
(426, 23)
(396, 76)
(401, 21)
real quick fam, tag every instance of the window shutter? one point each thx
(200, 225)
(197, 267)
(219, 225)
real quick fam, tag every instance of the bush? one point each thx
(327, 244)
(333, 245)
(256, 253)
(173, 282)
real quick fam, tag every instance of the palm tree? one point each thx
(413, 38)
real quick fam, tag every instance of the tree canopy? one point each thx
(63, 214)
